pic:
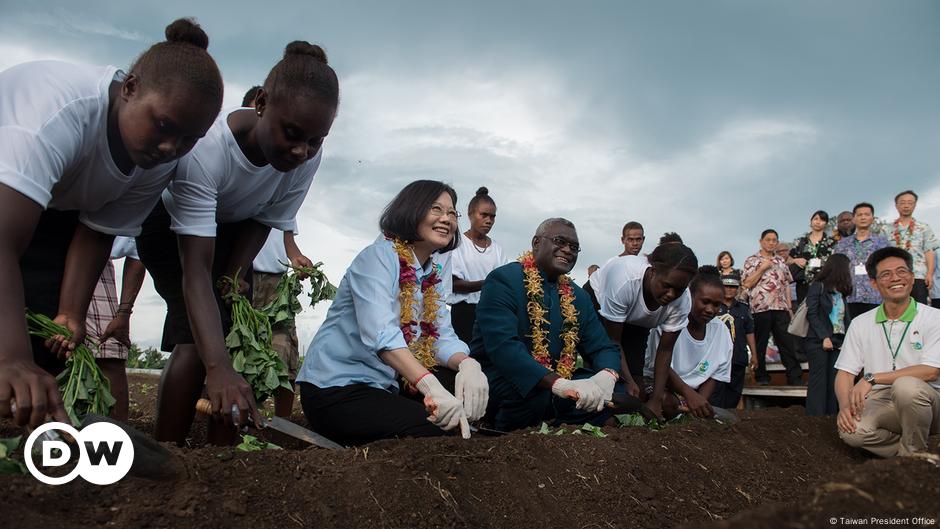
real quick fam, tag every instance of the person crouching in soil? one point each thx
(896, 404)
(702, 353)
(532, 323)
(389, 321)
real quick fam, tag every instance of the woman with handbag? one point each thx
(828, 320)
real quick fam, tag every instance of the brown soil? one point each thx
(776, 468)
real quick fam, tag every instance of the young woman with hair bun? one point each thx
(85, 152)
(477, 256)
(249, 174)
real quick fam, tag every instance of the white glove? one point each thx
(446, 411)
(606, 381)
(590, 396)
(472, 388)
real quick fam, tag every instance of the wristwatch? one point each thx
(870, 378)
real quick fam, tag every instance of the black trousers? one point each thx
(920, 292)
(857, 309)
(509, 410)
(462, 317)
(728, 394)
(633, 339)
(42, 267)
(774, 322)
(358, 414)
(158, 249)
(821, 393)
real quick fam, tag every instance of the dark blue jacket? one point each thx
(500, 335)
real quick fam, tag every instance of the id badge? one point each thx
(860, 270)
(815, 262)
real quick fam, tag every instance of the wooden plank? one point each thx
(775, 391)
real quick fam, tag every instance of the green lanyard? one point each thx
(894, 350)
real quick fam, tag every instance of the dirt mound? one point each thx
(773, 469)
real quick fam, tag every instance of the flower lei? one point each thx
(423, 347)
(536, 310)
(897, 234)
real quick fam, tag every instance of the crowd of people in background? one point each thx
(431, 330)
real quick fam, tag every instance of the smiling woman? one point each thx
(84, 154)
(249, 174)
(388, 336)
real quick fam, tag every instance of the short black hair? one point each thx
(906, 192)
(863, 205)
(670, 236)
(881, 254)
(632, 225)
(673, 256)
(768, 231)
(407, 210)
(249, 99)
(821, 214)
(482, 195)
(706, 275)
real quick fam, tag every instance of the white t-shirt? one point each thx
(695, 361)
(866, 349)
(470, 264)
(445, 262)
(54, 146)
(272, 254)
(124, 247)
(215, 183)
(618, 286)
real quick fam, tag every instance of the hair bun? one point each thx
(483, 191)
(302, 47)
(186, 30)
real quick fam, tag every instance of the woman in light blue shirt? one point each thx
(349, 381)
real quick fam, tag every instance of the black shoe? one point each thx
(763, 382)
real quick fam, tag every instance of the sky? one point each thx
(712, 119)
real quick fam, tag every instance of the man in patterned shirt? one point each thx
(857, 248)
(768, 279)
(918, 239)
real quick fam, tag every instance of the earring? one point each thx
(259, 112)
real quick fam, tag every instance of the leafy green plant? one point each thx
(249, 343)
(84, 387)
(589, 429)
(8, 465)
(635, 419)
(320, 286)
(251, 443)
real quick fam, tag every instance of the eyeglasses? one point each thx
(438, 211)
(561, 242)
(900, 273)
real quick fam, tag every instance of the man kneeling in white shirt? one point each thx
(896, 404)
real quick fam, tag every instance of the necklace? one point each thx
(537, 320)
(481, 249)
(423, 347)
(910, 234)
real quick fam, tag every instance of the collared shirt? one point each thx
(917, 238)
(364, 321)
(858, 252)
(772, 291)
(815, 254)
(915, 336)
(740, 323)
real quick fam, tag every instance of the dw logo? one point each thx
(105, 453)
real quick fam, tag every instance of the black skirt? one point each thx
(42, 267)
(159, 251)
